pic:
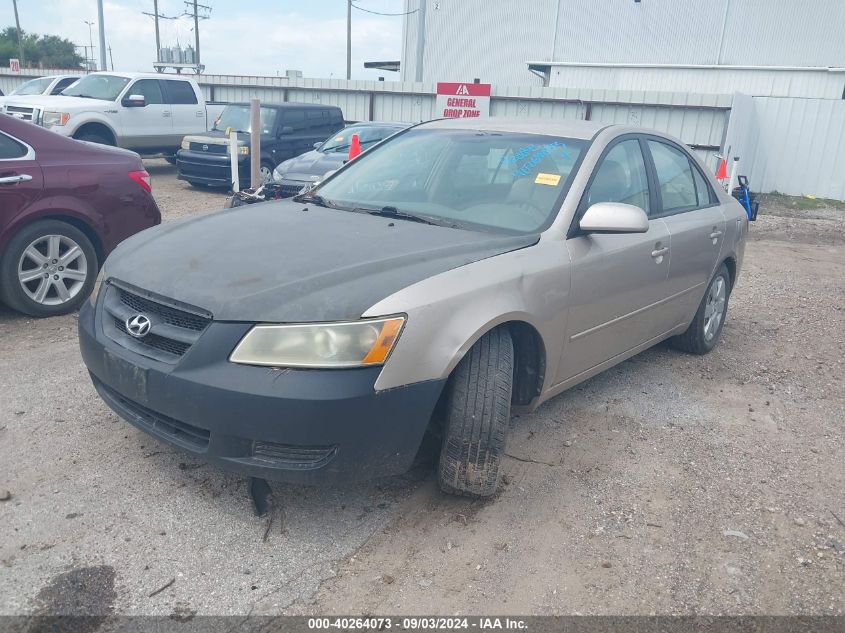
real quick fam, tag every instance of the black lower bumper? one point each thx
(300, 426)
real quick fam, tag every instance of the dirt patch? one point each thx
(79, 600)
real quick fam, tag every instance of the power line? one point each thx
(387, 14)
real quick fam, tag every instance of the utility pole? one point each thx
(196, 15)
(103, 65)
(20, 35)
(111, 57)
(197, 33)
(349, 39)
(420, 40)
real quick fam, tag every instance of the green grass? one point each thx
(801, 203)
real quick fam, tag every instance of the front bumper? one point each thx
(209, 169)
(299, 426)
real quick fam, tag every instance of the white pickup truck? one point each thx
(145, 112)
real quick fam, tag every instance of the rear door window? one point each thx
(702, 189)
(10, 149)
(674, 177)
(180, 92)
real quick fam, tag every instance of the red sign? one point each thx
(14, 65)
(462, 100)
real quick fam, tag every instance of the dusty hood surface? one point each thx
(277, 262)
(311, 165)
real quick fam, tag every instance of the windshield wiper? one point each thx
(320, 201)
(393, 212)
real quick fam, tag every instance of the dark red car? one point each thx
(64, 205)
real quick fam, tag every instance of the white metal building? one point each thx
(773, 48)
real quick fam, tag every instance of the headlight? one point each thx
(243, 150)
(49, 119)
(186, 144)
(329, 345)
(96, 289)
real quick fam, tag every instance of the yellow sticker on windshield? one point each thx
(547, 179)
(338, 138)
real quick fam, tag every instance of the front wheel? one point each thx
(706, 328)
(478, 417)
(48, 268)
(265, 172)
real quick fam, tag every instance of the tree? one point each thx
(41, 51)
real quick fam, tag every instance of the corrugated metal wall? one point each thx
(794, 146)
(493, 39)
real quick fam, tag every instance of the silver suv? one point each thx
(457, 272)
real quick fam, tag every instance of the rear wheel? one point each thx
(48, 268)
(704, 332)
(265, 172)
(478, 412)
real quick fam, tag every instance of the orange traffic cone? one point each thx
(354, 147)
(722, 172)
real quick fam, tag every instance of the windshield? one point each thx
(496, 181)
(367, 134)
(106, 87)
(33, 86)
(237, 118)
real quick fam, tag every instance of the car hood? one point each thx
(58, 102)
(278, 262)
(311, 165)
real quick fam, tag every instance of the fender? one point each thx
(57, 207)
(90, 116)
(530, 285)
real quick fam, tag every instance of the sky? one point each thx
(247, 37)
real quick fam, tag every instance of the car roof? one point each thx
(135, 75)
(288, 104)
(379, 124)
(568, 128)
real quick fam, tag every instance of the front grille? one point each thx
(20, 112)
(293, 457)
(181, 433)
(169, 315)
(210, 148)
(173, 330)
(288, 189)
(157, 342)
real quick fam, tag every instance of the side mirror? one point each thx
(614, 217)
(134, 101)
(286, 130)
(317, 144)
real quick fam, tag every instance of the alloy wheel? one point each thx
(52, 270)
(714, 308)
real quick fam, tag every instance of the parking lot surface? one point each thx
(669, 484)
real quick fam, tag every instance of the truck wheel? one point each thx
(49, 268)
(170, 159)
(478, 412)
(93, 137)
(706, 328)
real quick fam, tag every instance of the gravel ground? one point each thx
(670, 484)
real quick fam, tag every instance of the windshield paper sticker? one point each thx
(547, 179)
(532, 155)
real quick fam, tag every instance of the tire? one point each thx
(170, 159)
(93, 137)
(28, 252)
(478, 411)
(701, 336)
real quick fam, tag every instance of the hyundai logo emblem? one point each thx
(205, 148)
(138, 326)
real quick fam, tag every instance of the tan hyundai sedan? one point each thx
(455, 272)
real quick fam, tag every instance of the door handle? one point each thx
(165, 114)
(660, 252)
(12, 180)
(715, 234)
